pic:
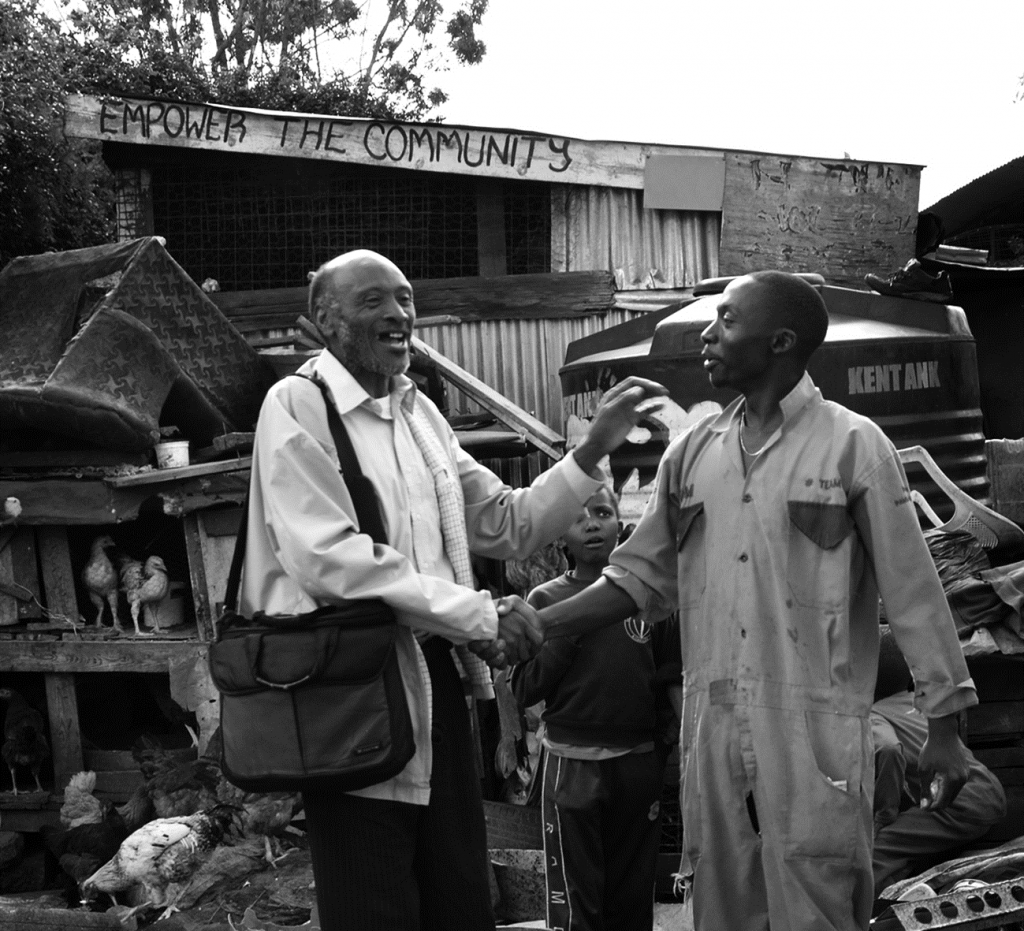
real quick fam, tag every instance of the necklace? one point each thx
(743, 446)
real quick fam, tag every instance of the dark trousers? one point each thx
(602, 829)
(392, 866)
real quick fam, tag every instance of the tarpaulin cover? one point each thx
(104, 346)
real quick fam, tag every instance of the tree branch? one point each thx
(364, 81)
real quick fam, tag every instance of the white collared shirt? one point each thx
(303, 548)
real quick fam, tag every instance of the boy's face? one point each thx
(593, 535)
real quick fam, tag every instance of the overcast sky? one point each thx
(931, 84)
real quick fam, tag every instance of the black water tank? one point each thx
(909, 365)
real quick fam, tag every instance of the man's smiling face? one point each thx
(373, 316)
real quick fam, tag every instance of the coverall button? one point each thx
(743, 557)
(747, 499)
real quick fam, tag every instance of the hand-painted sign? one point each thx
(421, 146)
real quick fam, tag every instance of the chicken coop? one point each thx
(111, 566)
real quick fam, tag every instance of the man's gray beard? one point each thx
(357, 353)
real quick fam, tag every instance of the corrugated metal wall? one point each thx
(518, 358)
(592, 228)
(595, 228)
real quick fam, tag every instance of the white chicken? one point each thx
(164, 851)
(144, 585)
(100, 579)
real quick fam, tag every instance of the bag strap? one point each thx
(361, 490)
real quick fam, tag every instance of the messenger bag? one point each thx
(315, 699)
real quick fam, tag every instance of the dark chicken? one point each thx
(24, 741)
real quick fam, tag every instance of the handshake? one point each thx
(520, 634)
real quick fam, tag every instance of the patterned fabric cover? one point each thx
(105, 345)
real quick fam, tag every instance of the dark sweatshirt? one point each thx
(606, 688)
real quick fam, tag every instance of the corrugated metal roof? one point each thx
(995, 197)
(518, 358)
(608, 228)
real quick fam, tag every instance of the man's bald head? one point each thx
(337, 273)
(796, 305)
(363, 307)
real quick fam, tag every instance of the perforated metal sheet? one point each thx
(969, 910)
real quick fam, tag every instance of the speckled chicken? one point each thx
(24, 741)
(144, 584)
(164, 851)
(100, 579)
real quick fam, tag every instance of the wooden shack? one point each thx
(254, 200)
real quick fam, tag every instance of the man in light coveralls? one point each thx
(773, 527)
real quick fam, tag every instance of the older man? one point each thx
(410, 853)
(773, 527)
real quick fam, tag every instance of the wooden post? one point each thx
(490, 228)
(197, 575)
(58, 578)
(65, 736)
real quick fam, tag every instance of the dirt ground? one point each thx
(262, 901)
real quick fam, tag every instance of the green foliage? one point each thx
(340, 57)
(314, 56)
(54, 194)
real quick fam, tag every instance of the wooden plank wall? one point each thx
(568, 294)
(840, 218)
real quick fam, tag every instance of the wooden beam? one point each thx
(27, 821)
(505, 297)
(29, 918)
(87, 656)
(534, 430)
(462, 150)
(67, 501)
(165, 476)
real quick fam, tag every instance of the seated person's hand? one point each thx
(943, 764)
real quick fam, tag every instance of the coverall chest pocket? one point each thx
(818, 570)
(691, 546)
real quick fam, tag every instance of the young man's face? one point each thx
(737, 344)
(373, 318)
(592, 537)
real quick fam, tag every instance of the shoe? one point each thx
(914, 282)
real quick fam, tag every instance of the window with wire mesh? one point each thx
(264, 223)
